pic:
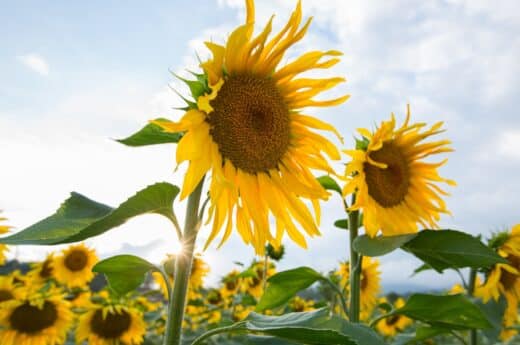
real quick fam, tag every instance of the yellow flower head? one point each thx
(255, 285)
(73, 267)
(36, 320)
(9, 291)
(199, 270)
(3, 247)
(394, 187)
(394, 324)
(248, 129)
(370, 282)
(230, 284)
(110, 325)
(299, 304)
(41, 272)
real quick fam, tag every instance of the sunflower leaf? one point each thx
(341, 223)
(315, 327)
(380, 245)
(151, 134)
(124, 273)
(329, 183)
(450, 311)
(80, 218)
(284, 285)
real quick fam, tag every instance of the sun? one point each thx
(395, 187)
(73, 267)
(248, 128)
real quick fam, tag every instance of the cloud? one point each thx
(35, 62)
(509, 144)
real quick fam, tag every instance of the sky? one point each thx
(76, 75)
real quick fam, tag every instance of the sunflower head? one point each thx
(36, 319)
(245, 125)
(394, 324)
(73, 267)
(394, 187)
(199, 270)
(111, 324)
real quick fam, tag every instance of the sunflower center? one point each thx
(5, 295)
(112, 326)
(231, 285)
(30, 319)
(46, 270)
(363, 282)
(388, 186)
(76, 260)
(508, 279)
(250, 123)
(392, 320)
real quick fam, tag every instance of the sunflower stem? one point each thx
(177, 303)
(355, 265)
(471, 292)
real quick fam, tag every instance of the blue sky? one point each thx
(76, 75)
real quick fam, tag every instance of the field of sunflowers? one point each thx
(259, 165)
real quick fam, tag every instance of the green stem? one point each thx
(355, 264)
(471, 292)
(266, 265)
(183, 263)
(342, 299)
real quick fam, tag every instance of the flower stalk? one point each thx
(471, 292)
(355, 265)
(183, 264)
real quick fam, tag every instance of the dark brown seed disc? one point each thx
(30, 319)
(111, 327)
(388, 186)
(250, 123)
(76, 260)
(5, 295)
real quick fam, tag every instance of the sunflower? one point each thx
(299, 304)
(9, 290)
(36, 320)
(199, 270)
(41, 272)
(248, 129)
(394, 187)
(254, 285)
(111, 325)
(3, 247)
(504, 279)
(73, 267)
(394, 324)
(370, 282)
(230, 284)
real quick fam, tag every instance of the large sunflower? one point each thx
(248, 129)
(111, 325)
(3, 247)
(73, 267)
(394, 187)
(36, 320)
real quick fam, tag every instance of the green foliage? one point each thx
(329, 183)
(315, 327)
(284, 285)
(341, 223)
(450, 311)
(494, 311)
(80, 218)
(124, 273)
(151, 134)
(439, 249)
(362, 144)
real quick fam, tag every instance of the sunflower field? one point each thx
(260, 166)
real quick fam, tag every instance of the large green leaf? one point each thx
(494, 311)
(329, 183)
(450, 311)
(284, 285)
(380, 245)
(443, 249)
(79, 218)
(314, 327)
(151, 134)
(124, 273)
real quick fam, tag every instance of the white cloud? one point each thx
(509, 144)
(35, 62)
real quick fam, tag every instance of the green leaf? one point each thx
(341, 223)
(423, 333)
(284, 285)
(151, 134)
(443, 249)
(329, 183)
(380, 245)
(450, 311)
(79, 218)
(494, 311)
(422, 268)
(124, 273)
(314, 327)
(362, 144)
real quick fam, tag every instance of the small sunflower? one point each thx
(41, 272)
(394, 186)
(230, 284)
(36, 320)
(249, 130)
(9, 290)
(255, 285)
(111, 325)
(73, 267)
(3, 247)
(394, 324)
(370, 282)
(199, 270)
(299, 304)
(504, 279)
